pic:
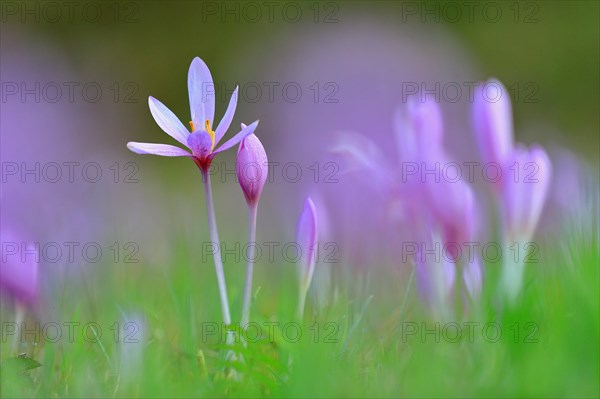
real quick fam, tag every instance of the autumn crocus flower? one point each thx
(201, 141)
(306, 238)
(419, 135)
(522, 191)
(431, 207)
(523, 198)
(251, 169)
(452, 203)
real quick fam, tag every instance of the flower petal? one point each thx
(359, 152)
(525, 192)
(164, 150)
(453, 204)
(201, 91)
(405, 136)
(361, 156)
(427, 127)
(492, 121)
(168, 121)
(227, 118)
(539, 185)
(248, 130)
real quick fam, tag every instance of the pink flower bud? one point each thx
(251, 168)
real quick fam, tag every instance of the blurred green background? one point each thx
(554, 44)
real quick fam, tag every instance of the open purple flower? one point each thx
(202, 140)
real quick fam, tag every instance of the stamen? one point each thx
(192, 126)
(210, 133)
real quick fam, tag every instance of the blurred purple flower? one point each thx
(383, 64)
(526, 178)
(251, 167)
(525, 193)
(432, 207)
(571, 192)
(43, 200)
(446, 206)
(306, 238)
(18, 268)
(451, 203)
(202, 139)
(526, 174)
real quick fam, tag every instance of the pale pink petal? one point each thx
(164, 150)
(248, 130)
(201, 91)
(227, 118)
(525, 190)
(168, 121)
(539, 185)
(492, 121)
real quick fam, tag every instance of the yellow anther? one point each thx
(192, 126)
(210, 133)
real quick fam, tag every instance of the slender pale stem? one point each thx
(301, 301)
(214, 237)
(513, 269)
(252, 210)
(19, 317)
